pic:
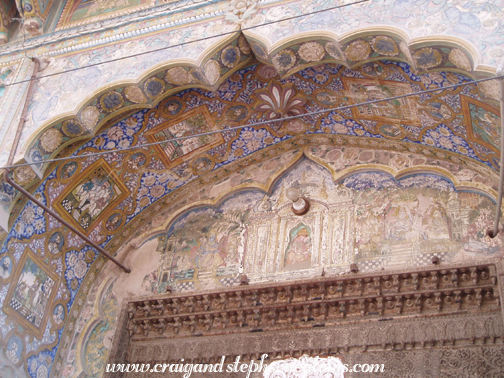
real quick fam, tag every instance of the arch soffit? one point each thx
(174, 76)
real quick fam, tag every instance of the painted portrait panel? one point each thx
(97, 189)
(5, 267)
(31, 293)
(364, 90)
(136, 161)
(299, 249)
(114, 222)
(483, 123)
(56, 243)
(68, 170)
(194, 122)
(58, 315)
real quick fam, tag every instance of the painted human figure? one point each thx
(113, 223)
(299, 249)
(95, 199)
(83, 192)
(58, 316)
(5, 268)
(54, 246)
(34, 292)
(68, 171)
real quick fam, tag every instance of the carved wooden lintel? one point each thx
(324, 302)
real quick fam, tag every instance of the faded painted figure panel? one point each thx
(96, 190)
(369, 218)
(32, 294)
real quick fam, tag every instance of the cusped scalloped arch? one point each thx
(351, 49)
(109, 103)
(368, 44)
(338, 177)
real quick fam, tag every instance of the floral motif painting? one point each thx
(97, 188)
(14, 350)
(32, 294)
(364, 90)
(483, 123)
(193, 122)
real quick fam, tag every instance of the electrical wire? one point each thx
(84, 155)
(186, 43)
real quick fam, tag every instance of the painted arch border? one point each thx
(198, 65)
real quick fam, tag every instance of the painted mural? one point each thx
(418, 216)
(124, 195)
(78, 12)
(94, 192)
(419, 20)
(483, 123)
(29, 299)
(370, 218)
(180, 150)
(361, 90)
(434, 119)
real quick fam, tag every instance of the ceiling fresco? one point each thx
(135, 196)
(215, 64)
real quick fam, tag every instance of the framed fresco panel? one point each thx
(31, 293)
(483, 123)
(401, 110)
(193, 122)
(81, 12)
(96, 190)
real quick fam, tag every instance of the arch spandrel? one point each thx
(430, 124)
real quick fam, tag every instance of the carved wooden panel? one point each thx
(449, 309)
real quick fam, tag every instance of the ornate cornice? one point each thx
(316, 303)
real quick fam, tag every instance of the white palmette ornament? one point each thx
(306, 367)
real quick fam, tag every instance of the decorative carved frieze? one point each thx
(349, 337)
(424, 323)
(317, 303)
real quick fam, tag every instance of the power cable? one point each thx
(186, 43)
(84, 155)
